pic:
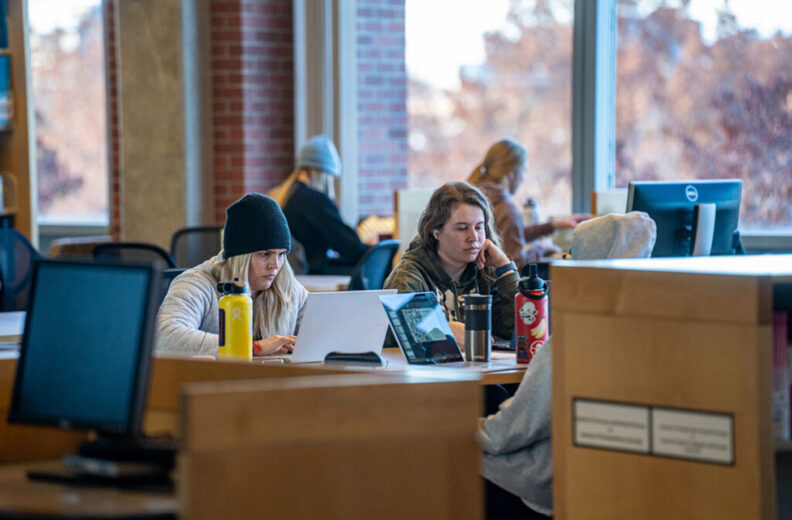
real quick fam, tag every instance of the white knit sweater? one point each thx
(187, 321)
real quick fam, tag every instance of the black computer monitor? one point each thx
(86, 349)
(691, 215)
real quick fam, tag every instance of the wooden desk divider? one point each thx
(29, 443)
(688, 339)
(168, 374)
(355, 446)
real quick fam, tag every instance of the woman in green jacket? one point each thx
(457, 252)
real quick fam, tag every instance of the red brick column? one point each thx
(382, 104)
(252, 63)
(113, 157)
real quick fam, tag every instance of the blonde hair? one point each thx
(501, 160)
(318, 180)
(269, 306)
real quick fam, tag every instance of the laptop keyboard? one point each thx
(273, 359)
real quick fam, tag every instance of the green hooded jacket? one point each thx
(419, 270)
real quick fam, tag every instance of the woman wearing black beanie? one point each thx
(256, 240)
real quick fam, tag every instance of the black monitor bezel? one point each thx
(644, 186)
(134, 421)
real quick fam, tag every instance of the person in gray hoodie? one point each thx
(256, 240)
(516, 441)
(457, 252)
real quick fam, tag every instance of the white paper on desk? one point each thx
(12, 324)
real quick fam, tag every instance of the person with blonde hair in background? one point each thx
(256, 240)
(306, 197)
(499, 176)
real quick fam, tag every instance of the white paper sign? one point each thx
(693, 435)
(611, 425)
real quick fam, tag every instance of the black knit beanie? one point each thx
(254, 223)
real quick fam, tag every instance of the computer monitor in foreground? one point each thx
(85, 354)
(693, 217)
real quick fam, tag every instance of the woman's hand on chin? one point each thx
(491, 256)
(274, 345)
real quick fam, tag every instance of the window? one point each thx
(67, 62)
(704, 90)
(481, 71)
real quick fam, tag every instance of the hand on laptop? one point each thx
(274, 345)
(458, 329)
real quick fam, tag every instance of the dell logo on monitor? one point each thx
(691, 193)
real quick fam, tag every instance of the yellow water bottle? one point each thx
(236, 321)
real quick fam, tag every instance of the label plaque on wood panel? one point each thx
(686, 434)
(613, 426)
(654, 430)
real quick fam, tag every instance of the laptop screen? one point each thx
(86, 347)
(421, 328)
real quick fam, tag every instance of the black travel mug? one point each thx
(478, 327)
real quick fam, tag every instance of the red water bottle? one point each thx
(531, 319)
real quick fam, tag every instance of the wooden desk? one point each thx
(510, 374)
(24, 498)
(323, 282)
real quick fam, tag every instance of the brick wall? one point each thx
(253, 96)
(382, 104)
(113, 157)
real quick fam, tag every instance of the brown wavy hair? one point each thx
(443, 202)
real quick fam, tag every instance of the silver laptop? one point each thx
(345, 322)
(424, 335)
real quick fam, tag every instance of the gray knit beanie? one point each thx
(320, 153)
(614, 236)
(254, 223)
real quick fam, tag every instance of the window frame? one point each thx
(595, 33)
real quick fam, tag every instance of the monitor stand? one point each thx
(122, 448)
(703, 229)
(737, 245)
(120, 461)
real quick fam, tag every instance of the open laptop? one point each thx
(424, 335)
(346, 322)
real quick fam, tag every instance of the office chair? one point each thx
(16, 269)
(135, 252)
(374, 267)
(192, 245)
(167, 277)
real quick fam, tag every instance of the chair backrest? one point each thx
(192, 245)
(167, 277)
(76, 247)
(16, 267)
(297, 259)
(374, 267)
(135, 252)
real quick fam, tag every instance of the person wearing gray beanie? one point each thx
(306, 197)
(256, 240)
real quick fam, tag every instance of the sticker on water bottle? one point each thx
(221, 336)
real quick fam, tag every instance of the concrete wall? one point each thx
(151, 105)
